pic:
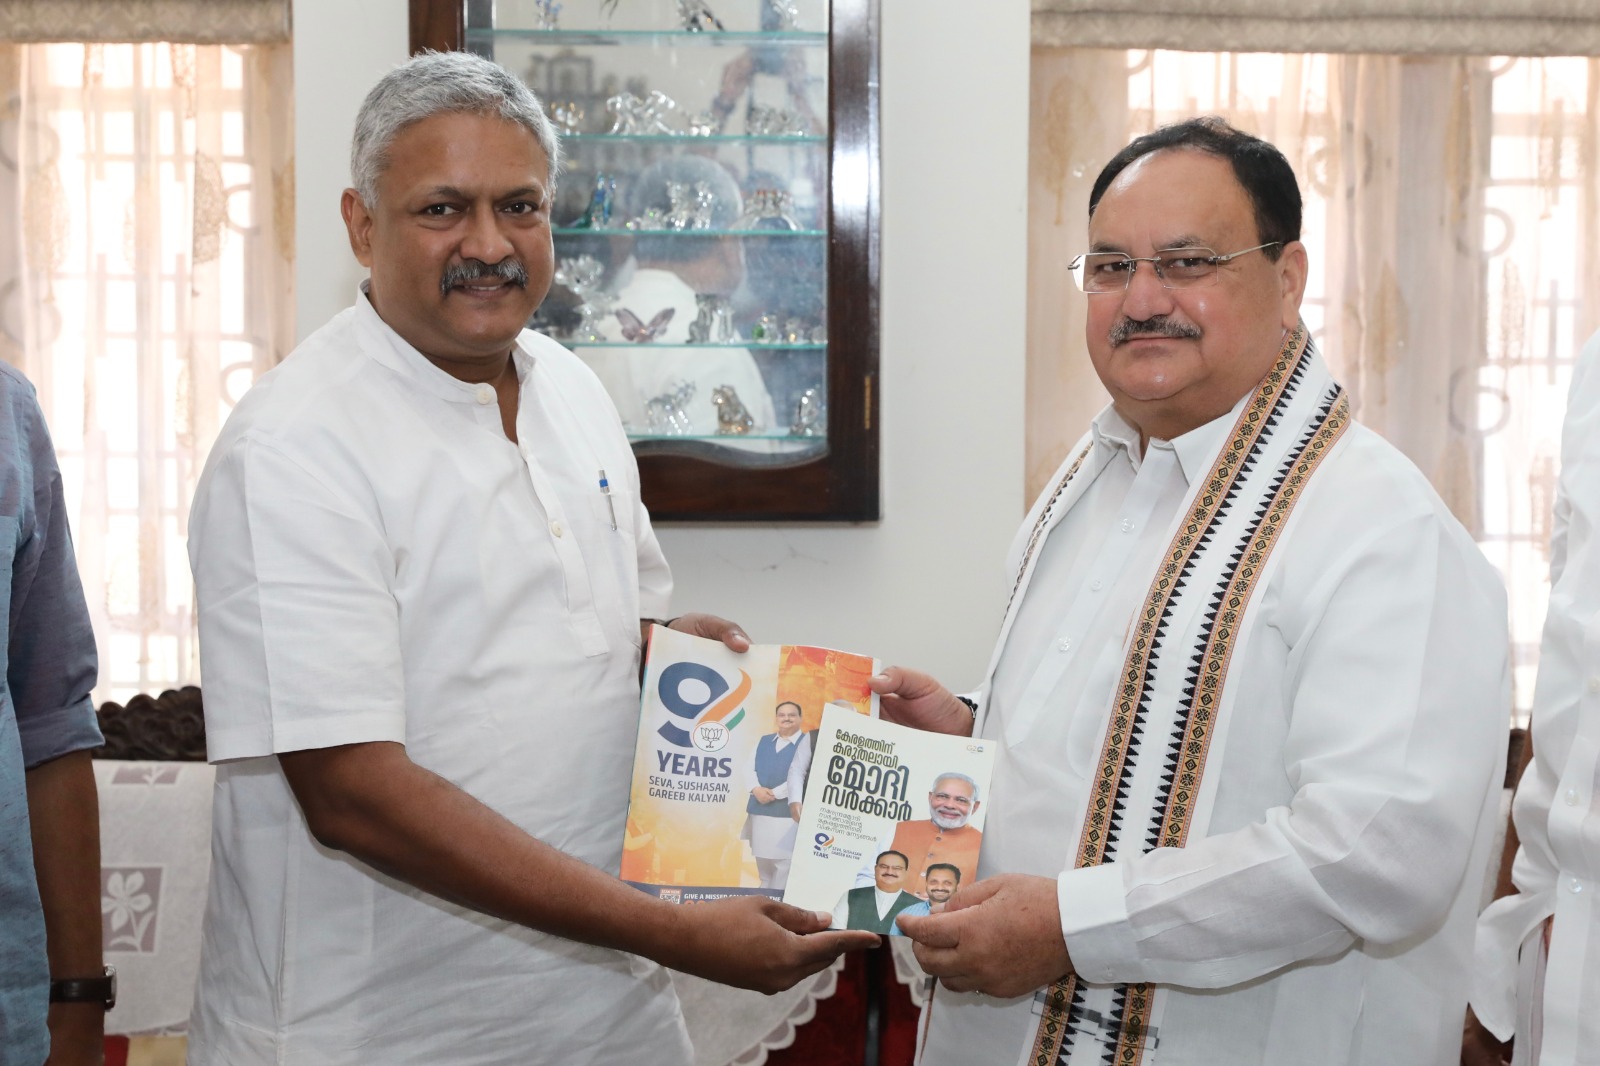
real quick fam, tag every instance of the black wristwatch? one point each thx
(102, 989)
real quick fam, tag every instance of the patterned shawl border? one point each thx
(1247, 429)
(1044, 519)
(1251, 423)
(1178, 819)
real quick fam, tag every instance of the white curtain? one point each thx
(1413, 27)
(149, 281)
(1453, 221)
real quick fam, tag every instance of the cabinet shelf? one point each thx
(753, 346)
(689, 138)
(709, 38)
(623, 231)
(728, 438)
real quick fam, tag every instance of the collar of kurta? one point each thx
(400, 356)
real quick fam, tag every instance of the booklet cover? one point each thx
(719, 768)
(891, 822)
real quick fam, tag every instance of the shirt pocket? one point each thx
(616, 563)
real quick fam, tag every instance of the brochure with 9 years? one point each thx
(770, 773)
(719, 734)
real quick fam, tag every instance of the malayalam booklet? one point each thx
(723, 739)
(891, 822)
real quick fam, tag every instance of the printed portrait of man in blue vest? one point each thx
(876, 906)
(770, 826)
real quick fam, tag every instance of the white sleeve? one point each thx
(1564, 759)
(1398, 692)
(299, 628)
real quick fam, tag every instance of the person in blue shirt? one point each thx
(942, 879)
(54, 989)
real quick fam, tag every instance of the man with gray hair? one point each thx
(423, 574)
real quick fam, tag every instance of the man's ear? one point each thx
(358, 224)
(1292, 267)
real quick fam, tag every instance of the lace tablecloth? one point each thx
(155, 833)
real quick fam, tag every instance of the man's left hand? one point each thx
(712, 628)
(1000, 936)
(762, 795)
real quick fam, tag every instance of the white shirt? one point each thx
(1557, 806)
(634, 374)
(1326, 916)
(376, 561)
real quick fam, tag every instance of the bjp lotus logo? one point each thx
(710, 706)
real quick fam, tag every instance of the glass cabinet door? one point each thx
(715, 234)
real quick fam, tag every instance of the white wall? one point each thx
(341, 48)
(924, 586)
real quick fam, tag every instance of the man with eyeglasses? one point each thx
(1250, 690)
(874, 907)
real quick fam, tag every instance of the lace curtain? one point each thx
(1453, 222)
(150, 280)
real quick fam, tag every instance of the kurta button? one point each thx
(1064, 644)
(1572, 797)
(1127, 525)
(485, 394)
(1575, 886)
(555, 528)
(1095, 585)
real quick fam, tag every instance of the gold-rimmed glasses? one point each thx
(1176, 268)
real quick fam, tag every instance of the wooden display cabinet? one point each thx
(783, 100)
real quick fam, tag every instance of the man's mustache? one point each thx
(1156, 326)
(508, 269)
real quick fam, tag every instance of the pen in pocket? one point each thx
(605, 490)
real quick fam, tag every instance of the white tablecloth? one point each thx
(155, 846)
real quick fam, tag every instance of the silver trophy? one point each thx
(733, 418)
(582, 276)
(696, 16)
(810, 415)
(667, 415)
(785, 14)
(637, 116)
(767, 209)
(713, 322)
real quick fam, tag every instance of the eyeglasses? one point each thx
(886, 868)
(1176, 268)
(946, 797)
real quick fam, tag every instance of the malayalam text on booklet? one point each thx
(891, 822)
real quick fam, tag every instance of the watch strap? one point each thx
(101, 989)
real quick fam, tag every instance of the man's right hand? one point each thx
(917, 700)
(757, 943)
(1479, 1046)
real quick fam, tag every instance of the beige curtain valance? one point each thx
(1458, 27)
(129, 21)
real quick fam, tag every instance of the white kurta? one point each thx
(1557, 807)
(772, 837)
(376, 561)
(1326, 914)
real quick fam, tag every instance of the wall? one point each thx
(924, 586)
(341, 47)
